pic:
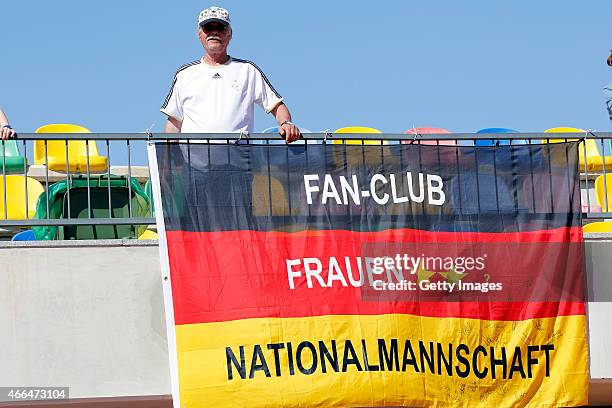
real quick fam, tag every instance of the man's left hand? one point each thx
(290, 132)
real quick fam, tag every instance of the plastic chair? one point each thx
(546, 193)
(600, 226)
(148, 190)
(16, 197)
(98, 192)
(148, 234)
(498, 142)
(77, 151)
(15, 162)
(525, 160)
(358, 130)
(371, 154)
(475, 194)
(433, 157)
(275, 129)
(603, 191)
(594, 160)
(429, 131)
(269, 196)
(27, 235)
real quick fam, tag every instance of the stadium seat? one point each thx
(13, 160)
(77, 151)
(475, 194)
(148, 234)
(274, 129)
(358, 130)
(77, 189)
(600, 226)
(524, 159)
(27, 235)
(372, 155)
(269, 195)
(594, 159)
(148, 190)
(429, 131)
(430, 157)
(498, 142)
(546, 193)
(16, 197)
(603, 190)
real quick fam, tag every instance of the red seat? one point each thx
(429, 131)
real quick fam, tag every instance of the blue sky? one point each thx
(388, 64)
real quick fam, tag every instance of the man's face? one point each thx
(215, 37)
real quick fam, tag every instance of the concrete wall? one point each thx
(598, 256)
(89, 315)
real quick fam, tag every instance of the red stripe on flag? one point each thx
(230, 275)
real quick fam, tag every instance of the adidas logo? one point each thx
(216, 76)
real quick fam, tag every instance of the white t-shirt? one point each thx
(220, 98)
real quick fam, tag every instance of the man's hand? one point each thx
(6, 133)
(290, 132)
(287, 129)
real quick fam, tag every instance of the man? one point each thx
(6, 131)
(217, 93)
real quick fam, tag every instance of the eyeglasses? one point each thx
(213, 27)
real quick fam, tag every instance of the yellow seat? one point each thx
(262, 188)
(600, 226)
(359, 130)
(148, 234)
(16, 197)
(77, 151)
(597, 163)
(602, 190)
(594, 160)
(371, 155)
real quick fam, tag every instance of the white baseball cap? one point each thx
(218, 14)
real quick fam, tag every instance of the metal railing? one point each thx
(127, 141)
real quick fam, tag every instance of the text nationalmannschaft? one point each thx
(311, 357)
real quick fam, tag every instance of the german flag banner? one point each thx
(327, 275)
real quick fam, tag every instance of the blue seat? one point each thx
(274, 129)
(520, 157)
(468, 198)
(27, 235)
(498, 142)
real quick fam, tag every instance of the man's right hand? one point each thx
(7, 133)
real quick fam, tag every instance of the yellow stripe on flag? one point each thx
(384, 360)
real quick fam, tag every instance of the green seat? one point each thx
(149, 194)
(15, 162)
(98, 190)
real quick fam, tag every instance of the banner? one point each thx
(374, 275)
